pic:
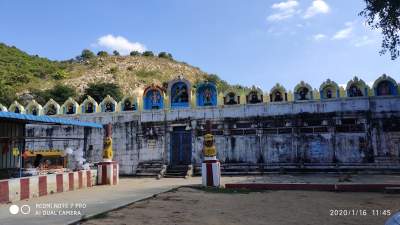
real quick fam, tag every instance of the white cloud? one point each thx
(345, 32)
(317, 7)
(285, 5)
(319, 37)
(285, 10)
(364, 40)
(119, 43)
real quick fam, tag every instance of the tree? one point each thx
(165, 55)
(102, 53)
(99, 91)
(148, 54)
(86, 55)
(60, 93)
(7, 94)
(385, 15)
(134, 53)
(222, 85)
(116, 53)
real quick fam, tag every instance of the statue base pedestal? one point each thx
(211, 172)
(107, 173)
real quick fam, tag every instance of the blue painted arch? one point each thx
(206, 94)
(179, 95)
(153, 98)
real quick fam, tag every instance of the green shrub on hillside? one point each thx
(148, 54)
(59, 93)
(86, 55)
(99, 91)
(60, 75)
(18, 69)
(116, 53)
(134, 53)
(147, 74)
(7, 94)
(165, 55)
(102, 54)
(113, 70)
(222, 85)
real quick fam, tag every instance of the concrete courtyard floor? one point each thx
(93, 201)
(194, 206)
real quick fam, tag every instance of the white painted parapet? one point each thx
(16, 189)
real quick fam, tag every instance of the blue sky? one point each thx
(246, 42)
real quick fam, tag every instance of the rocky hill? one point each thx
(131, 73)
(20, 73)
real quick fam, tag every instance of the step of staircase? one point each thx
(150, 169)
(178, 171)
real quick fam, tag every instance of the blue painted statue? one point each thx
(206, 94)
(179, 95)
(153, 98)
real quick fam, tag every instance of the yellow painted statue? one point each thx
(209, 147)
(108, 152)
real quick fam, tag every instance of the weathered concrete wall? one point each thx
(358, 131)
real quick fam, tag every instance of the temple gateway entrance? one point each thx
(181, 146)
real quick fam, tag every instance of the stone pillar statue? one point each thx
(107, 144)
(107, 170)
(211, 167)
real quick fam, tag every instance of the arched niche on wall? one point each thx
(108, 104)
(206, 94)
(153, 97)
(278, 94)
(385, 86)
(231, 97)
(129, 103)
(15, 107)
(303, 91)
(329, 90)
(3, 108)
(34, 108)
(179, 92)
(254, 95)
(70, 106)
(51, 108)
(89, 105)
(356, 88)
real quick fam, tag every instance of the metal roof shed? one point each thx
(13, 134)
(31, 119)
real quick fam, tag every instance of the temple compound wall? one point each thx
(358, 130)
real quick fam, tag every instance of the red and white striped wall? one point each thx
(211, 173)
(16, 189)
(107, 173)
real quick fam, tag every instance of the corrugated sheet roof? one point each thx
(46, 120)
